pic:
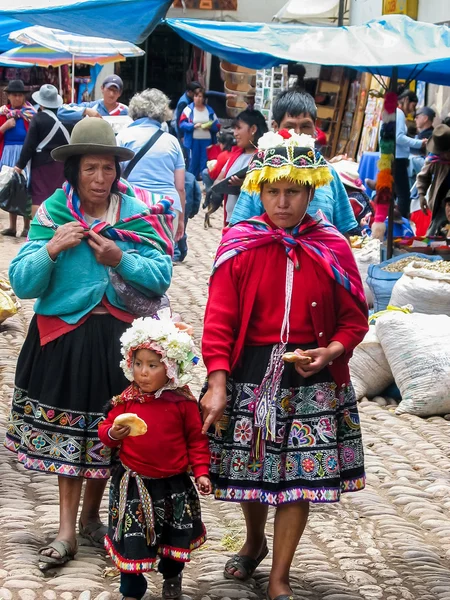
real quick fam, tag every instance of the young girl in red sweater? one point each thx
(154, 509)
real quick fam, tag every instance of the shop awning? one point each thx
(319, 11)
(132, 20)
(7, 26)
(419, 50)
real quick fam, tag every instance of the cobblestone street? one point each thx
(391, 541)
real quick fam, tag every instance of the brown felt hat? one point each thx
(440, 140)
(92, 136)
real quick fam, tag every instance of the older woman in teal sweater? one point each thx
(83, 238)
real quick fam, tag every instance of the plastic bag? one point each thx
(9, 305)
(14, 197)
(5, 175)
(137, 303)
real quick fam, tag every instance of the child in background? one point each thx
(215, 165)
(154, 509)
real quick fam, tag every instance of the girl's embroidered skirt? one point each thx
(316, 453)
(60, 392)
(175, 517)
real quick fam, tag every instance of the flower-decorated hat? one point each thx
(286, 155)
(172, 341)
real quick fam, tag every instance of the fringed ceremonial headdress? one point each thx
(286, 155)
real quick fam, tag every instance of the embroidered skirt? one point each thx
(317, 452)
(176, 515)
(60, 392)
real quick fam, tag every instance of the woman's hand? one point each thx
(197, 125)
(119, 432)
(180, 229)
(204, 485)
(91, 112)
(236, 181)
(423, 204)
(321, 357)
(214, 401)
(106, 251)
(8, 124)
(67, 236)
(17, 170)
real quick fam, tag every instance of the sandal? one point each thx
(9, 232)
(94, 532)
(172, 588)
(24, 233)
(245, 564)
(280, 597)
(64, 549)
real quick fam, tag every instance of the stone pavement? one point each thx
(391, 541)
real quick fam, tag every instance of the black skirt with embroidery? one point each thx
(176, 514)
(59, 396)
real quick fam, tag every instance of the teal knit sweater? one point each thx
(75, 282)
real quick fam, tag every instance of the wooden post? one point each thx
(390, 228)
(341, 13)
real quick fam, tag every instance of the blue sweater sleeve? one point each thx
(31, 270)
(149, 271)
(72, 113)
(247, 206)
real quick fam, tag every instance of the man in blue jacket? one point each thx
(295, 109)
(108, 106)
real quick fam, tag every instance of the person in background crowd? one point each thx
(249, 126)
(407, 102)
(161, 169)
(282, 435)
(46, 132)
(297, 110)
(69, 365)
(212, 172)
(424, 121)
(193, 200)
(347, 171)
(443, 228)
(199, 125)
(434, 178)
(15, 118)
(108, 106)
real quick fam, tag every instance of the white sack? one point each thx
(369, 370)
(417, 348)
(368, 255)
(427, 291)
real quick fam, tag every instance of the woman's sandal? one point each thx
(280, 597)
(9, 232)
(244, 564)
(94, 532)
(64, 549)
(172, 588)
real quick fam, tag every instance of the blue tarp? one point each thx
(419, 50)
(7, 26)
(130, 20)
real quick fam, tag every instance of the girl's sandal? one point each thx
(244, 564)
(172, 588)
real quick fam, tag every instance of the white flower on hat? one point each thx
(270, 140)
(301, 140)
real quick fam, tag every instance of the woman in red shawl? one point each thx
(285, 287)
(15, 119)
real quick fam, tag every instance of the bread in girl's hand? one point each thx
(293, 357)
(136, 424)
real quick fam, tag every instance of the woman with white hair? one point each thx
(158, 165)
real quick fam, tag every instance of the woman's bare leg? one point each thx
(69, 501)
(13, 222)
(93, 494)
(255, 515)
(290, 522)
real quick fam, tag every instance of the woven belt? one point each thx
(146, 502)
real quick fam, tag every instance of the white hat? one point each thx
(48, 96)
(348, 174)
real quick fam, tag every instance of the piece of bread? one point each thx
(292, 357)
(136, 424)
